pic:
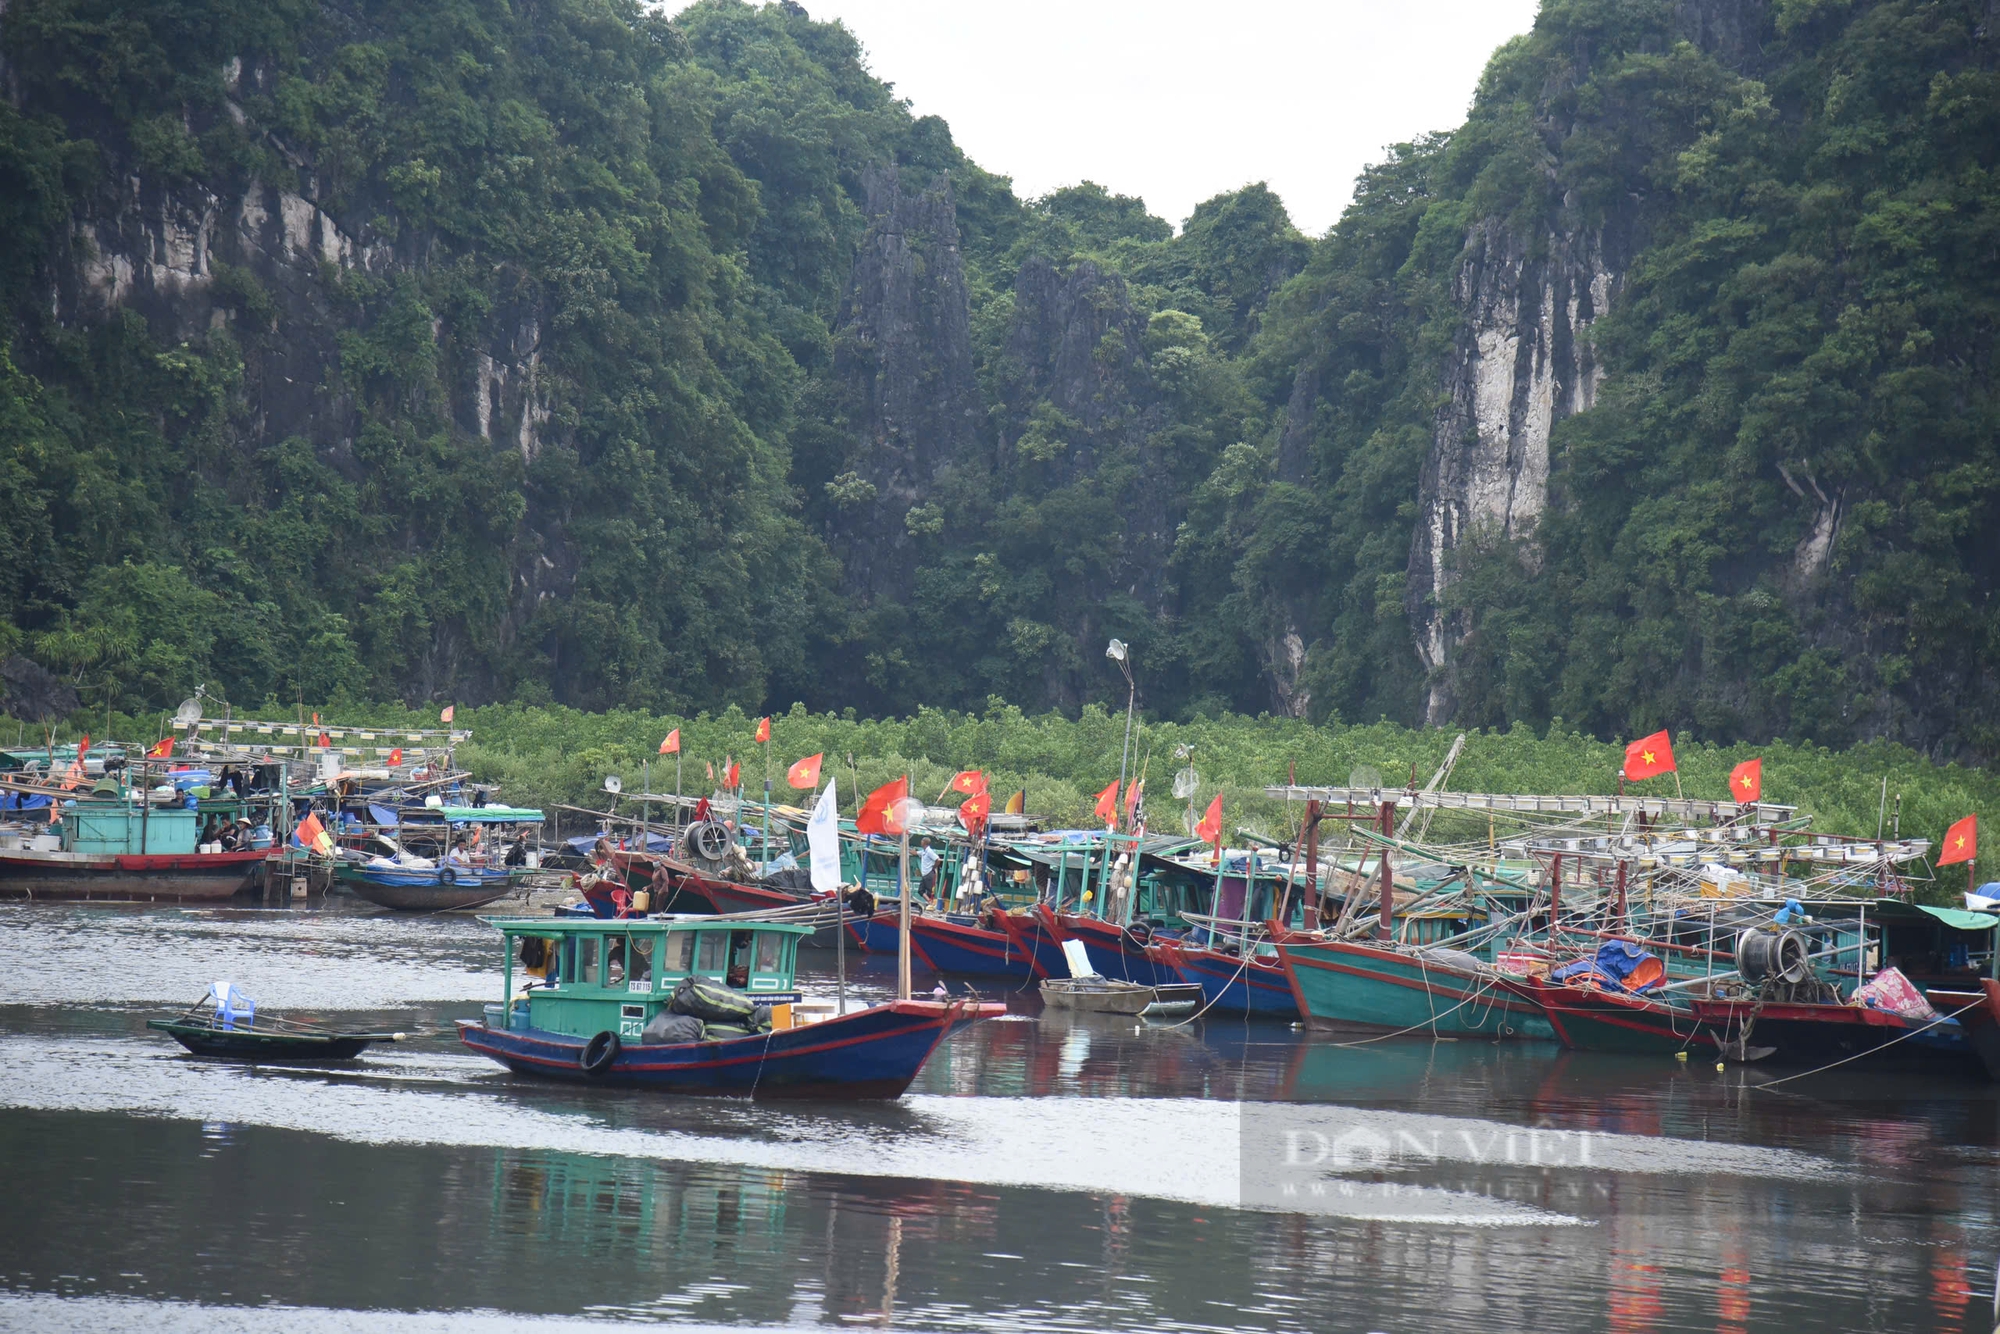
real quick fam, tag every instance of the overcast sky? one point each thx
(1177, 101)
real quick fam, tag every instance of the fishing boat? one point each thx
(1586, 1017)
(393, 878)
(1086, 991)
(225, 1025)
(126, 842)
(597, 989)
(1978, 1011)
(1380, 986)
(1234, 978)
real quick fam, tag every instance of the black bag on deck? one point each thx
(667, 1026)
(712, 1002)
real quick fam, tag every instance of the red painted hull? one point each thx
(178, 877)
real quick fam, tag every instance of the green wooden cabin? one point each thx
(606, 975)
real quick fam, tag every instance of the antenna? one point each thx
(613, 784)
(1365, 776)
(188, 714)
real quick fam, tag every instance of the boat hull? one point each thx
(869, 1054)
(1260, 989)
(1588, 1020)
(1364, 988)
(428, 895)
(1096, 995)
(249, 1044)
(1871, 1039)
(974, 951)
(130, 878)
(1114, 952)
(1979, 1012)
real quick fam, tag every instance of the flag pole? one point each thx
(903, 901)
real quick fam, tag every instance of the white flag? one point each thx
(823, 837)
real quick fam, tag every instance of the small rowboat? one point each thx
(1085, 990)
(1106, 995)
(224, 1024)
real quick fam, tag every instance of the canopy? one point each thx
(489, 814)
(381, 815)
(1958, 919)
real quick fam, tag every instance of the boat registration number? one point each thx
(641, 985)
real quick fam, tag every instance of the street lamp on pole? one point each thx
(1118, 653)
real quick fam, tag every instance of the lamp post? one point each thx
(1118, 653)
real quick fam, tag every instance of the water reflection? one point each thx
(1048, 1172)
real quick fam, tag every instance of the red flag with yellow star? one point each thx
(1746, 781)
(1649, 755)
(1961, 842)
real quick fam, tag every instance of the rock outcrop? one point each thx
(903, 357)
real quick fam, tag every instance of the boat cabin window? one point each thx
(680, 952)
(770, 952)
(739, 958)
(709, 955)
(639, 963)
(586, 960)
(614, 961)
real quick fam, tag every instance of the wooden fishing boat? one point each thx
(436, 889)
(1229, 982)
(1979, 1013)
(117, 844)
(1822, 1033)
(1588, 1018)
(1115, 951)
(1109, 995)
(225, 1025)
(586, 1012)
(1377, 988)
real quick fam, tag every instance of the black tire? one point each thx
(1141, 933)
(599, 1053)
(447, 876)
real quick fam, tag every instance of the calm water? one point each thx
(1073, 1174)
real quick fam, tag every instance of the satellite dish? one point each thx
(1186, 782)
(1365, 776)
(188, 714)
(613, 784)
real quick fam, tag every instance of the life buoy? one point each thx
(599, 1053)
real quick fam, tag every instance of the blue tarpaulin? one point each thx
(1619, 966)
(381, 815)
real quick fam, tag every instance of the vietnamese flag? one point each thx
(969, 781)
(162, 749)
(672, 745)
(1746, 781)
(1107, 803)
(1961, 842)
(1132, 801)
(882, 812)
(1649, 755)
(449, 710)
(805, 774)
(1210, 828)
(764, 729)
(732, 774)
(972, 812)
(325, 741)
(395, 757)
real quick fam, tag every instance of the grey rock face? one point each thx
(903, 355)
(1522, 362)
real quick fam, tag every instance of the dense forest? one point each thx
(565, 352)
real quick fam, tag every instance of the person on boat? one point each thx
(460, 855)
(517, 853)
(927, 870)
(601, 854)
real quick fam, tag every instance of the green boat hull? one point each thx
(1588, 1020)
(1346, 985)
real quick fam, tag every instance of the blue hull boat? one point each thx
(871, 1053)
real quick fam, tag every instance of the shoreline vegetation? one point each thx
(552, 755)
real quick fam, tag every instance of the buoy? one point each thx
(1718, 1067)
(1681, 1056)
